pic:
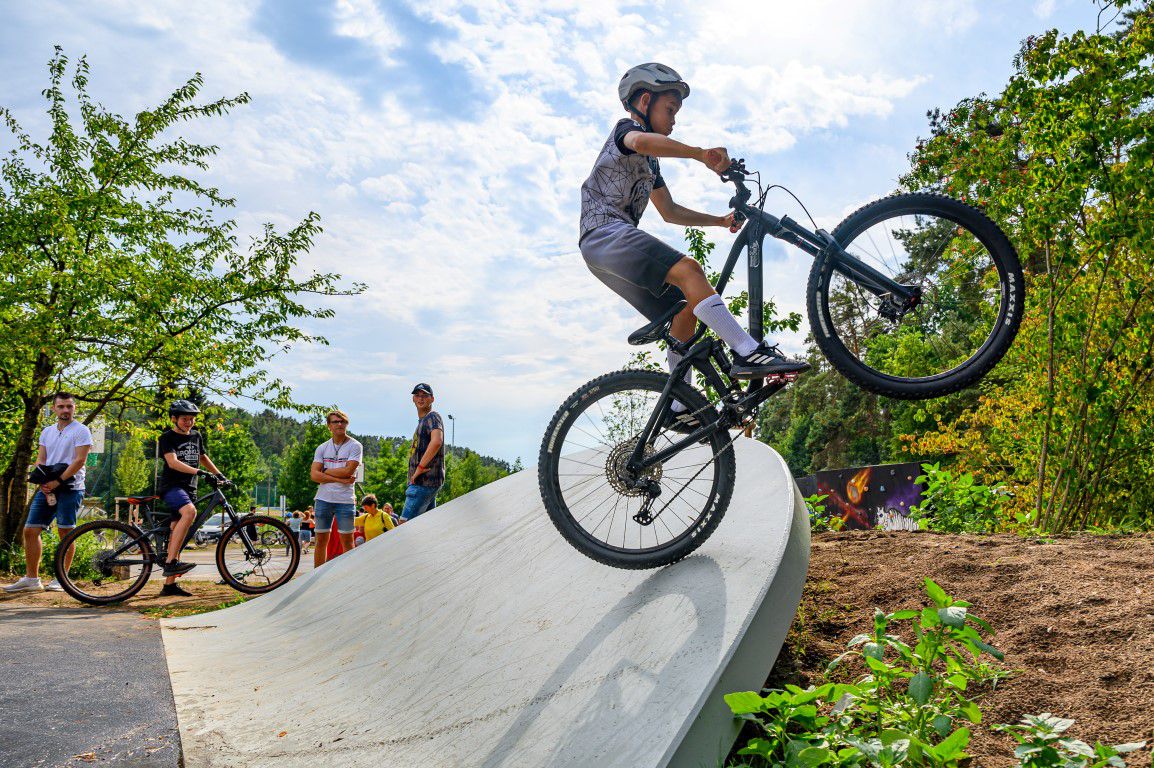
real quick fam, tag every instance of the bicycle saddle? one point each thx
(658, 329)
(140, 499)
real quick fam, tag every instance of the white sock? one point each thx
(713, 312)
(673, 359)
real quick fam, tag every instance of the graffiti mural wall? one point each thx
(866, 497)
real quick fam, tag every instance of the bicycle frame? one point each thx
(702, 355)
(158, 533)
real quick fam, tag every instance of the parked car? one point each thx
(210, 531)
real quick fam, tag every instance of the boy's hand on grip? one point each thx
(716, 159)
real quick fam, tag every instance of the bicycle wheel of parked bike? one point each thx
(247, 564)
(971, 303)
(595, 501)
(272, 538)
(110, 561)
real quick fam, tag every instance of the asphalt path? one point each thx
(84, 687)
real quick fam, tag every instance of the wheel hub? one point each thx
(100, 562)
(629, 483)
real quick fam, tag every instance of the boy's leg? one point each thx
(67, 508)
(323, 512)
(178, 530)
(33, 549)
(40, 516)
(707, 306)
(417, 501)
(345, 527)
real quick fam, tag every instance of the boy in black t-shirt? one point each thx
(183, 451)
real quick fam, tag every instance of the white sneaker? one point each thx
(53, 586)
(26, 584)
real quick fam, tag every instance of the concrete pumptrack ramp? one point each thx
(476, 636)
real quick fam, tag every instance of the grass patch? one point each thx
(177, 611)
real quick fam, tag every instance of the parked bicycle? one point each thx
(114, 560)
(274, 537)
(913, 296)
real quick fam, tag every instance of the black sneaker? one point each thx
(174, 590)
(175, 567)
(766, 360)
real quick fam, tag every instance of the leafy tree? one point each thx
(296, 466)
(122, 281)
(133, 471)
(235, 454)
(1062, 157)
(386, 474)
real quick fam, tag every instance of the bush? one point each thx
(820, 520)
(913, 707)
(1042, 745)
(907, 709)
(957, 504)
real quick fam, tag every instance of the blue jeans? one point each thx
(326, 510)
(418, 500)
(40, 514)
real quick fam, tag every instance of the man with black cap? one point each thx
(427, 456)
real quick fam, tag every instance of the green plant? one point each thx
(819, 520)
(955, 503)
(1042, 745)
(176, 611)
(905, 710)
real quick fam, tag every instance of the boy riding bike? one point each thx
(183, 449)
(643, 270)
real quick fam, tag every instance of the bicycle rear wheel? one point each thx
(591, 496)
(970, 309)
(248, 565)
(111, 562)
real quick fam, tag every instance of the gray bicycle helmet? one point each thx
(652, 77)
(182, 408)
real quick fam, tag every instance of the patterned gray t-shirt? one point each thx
(618, 187)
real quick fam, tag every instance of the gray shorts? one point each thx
(634, 265)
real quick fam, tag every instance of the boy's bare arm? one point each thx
(682, 216)
(656, 145)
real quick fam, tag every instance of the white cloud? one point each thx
(463, 223)
(362, 20)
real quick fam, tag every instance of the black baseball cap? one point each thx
(422, 387)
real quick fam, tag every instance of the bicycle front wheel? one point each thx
(248, 565)
(972, 297)
(110, 561)
(604, 510)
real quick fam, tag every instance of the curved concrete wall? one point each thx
(476, 636)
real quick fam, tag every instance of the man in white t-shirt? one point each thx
(335, 463)
(65, 442)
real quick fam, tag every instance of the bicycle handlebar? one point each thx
(216, 481)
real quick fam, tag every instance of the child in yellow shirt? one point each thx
(373, 521)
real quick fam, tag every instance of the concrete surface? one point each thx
(84, 687)
(476, 636)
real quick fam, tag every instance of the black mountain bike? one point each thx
(913, 296)
(113, 560)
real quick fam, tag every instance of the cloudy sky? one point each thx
(444, 144)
